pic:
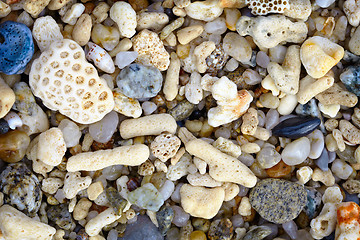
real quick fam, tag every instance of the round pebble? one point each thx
(278, 200)
(296, 152)
(268, 157)
(103, 130)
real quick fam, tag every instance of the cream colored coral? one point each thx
(349, 131)
(245, 207)
(202, 180)
(201, 52)
(231, 103)
(154, 124)
(337, 95)
(154, 21)
(171, 83)
(332, 195)
(304, 174)
(51, 185)
(46, 31)
(94, 190)
(34, 7)
(4, 9)
(51, 147)
(287, 76)
(151, 50)
(223, 167)
(231, 190)
(15, 225)
(125, 16)
(7, 98)
(66, 82)
(326, 177)
(187, 34)
(147, 168)
(74, 183)
(73, 13)
(193, 90)
(127, 106)
(81, 209)
(310, 87)
(259, 7)
(200, 201)
(319, 55)
(204, 10)
(227, 146)
(299, 9)
(57, 4)
(268, 32)
(94, 226)
(165, 146)
(352, 11)
(250, 122)
(324, 224)
(132, 155)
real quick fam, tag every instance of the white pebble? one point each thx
(70, 131)
(262, 59)
(167, 189)
(103, 130)
(13, 120)
(124, 59)
(341, 169)
(223, 132)
(251, 77)
(218, 26)
(324, 3)
(296, 152)
(291, 229)
(272, 119)
(231, 65)
(148, 107)
(261, 118)
(180, 216)
(317, 144)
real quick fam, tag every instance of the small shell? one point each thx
(100, 57)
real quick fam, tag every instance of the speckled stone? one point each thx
(313, 202)
(21, 188)
(164, 218)
(257, 233)
(4, 126)
(278, 200)
(216, 60)
(182, 110)
(117, 202)
(311, 109)
(236, 77)
(350, 77)
(221, 229)
(147, 197)
(61, 216)
(25, 100)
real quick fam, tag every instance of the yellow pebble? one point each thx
(198, 235)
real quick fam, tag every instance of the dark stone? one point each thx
(195, 115)
(16, 47)
(4, 126)
(170, 14)
(278, 201)
(164, 218)
(116, 201)
(350, 77)
(61, 216)
(182, 110)
(313, 202)
(221, 229)
(142, 229)
(296, 127)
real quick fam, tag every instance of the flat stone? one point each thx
(278, 200)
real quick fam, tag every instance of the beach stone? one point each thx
(139, 81)
(164, 218)
(268, 157)
(182, 110)
(221, 229)
(257, 233)
(296, 152)
(147, 197)
(323, 161)
(278, 200)
(296, 127)
(313, 202)
(142, 229)
(61, 216)
(350, 77)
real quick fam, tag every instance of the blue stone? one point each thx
(142, 229)
(17, 49)
(296, 127)
(351, 79)
(330, 237)
(323, 161)
(351, 197)
(313, 202)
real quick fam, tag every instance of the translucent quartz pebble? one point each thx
(296, 127)
(180, 216)
(70, 131)
(125, 58)
(147, 197)
(103, 130)
(291, 229)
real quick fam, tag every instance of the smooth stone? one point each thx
(317, 143)
(13, 146)
(221, 229)
(164, 218)
(324, 3)
(17, 49)
(61, 216)
(313, 202)
(24, 99)
(257, 233)
(21, 188)
(142, 229)
(103, 130)
(268, 157)
(323, 161)
(116, 201)
(125, 58)
(139, 81)
(278, 201)
(348, 154)
(147, 197)
(350, 77)
(296, 127)
(350, 57)
(182, 110)
(311, 109)
(291, 229)
(4, 126)
(296, 152)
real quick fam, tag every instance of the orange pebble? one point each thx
(279, 170)
(348, 212)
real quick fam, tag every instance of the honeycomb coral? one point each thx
(263, 7)
(66, 82)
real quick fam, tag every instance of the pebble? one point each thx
(182, 110)
(278, 200)
(116, 201)
(313, 203)
(348, 154)
(13, 120)
(350, 77)
(258, 233)
(268, 157)
(279, 170)
(291, 229)
(323, 161)
(71, 132)
(296, 127)
(148, 107)
(324, 3)
(296, 152)
(142, 229)
(164, 218)
(61, 216)
(17, 49)
(13, 146)
(216, 60)
(4, 126)
(272, 119)
(21, 188)
(24, 101)
(198, 235)
(103, 130)
(125, 58)
(311, 109)
(221, 229)
(180, 216)
(139, 81)
(147, 197)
